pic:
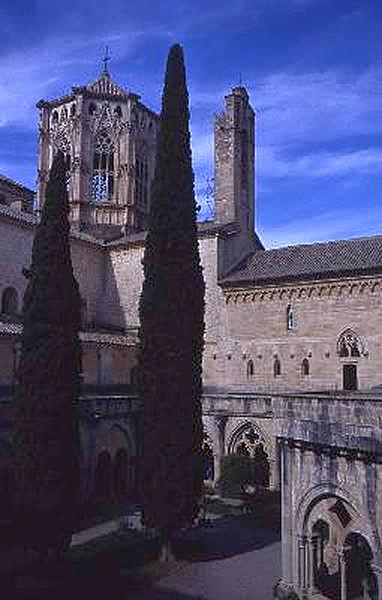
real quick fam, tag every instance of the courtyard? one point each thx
(228, 557)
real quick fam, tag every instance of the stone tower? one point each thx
(234, 162)
(108, 137)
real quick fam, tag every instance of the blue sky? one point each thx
(313, 69)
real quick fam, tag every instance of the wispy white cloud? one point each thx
(320, 164)
(329, 225)
(318, 106)
(45, 70)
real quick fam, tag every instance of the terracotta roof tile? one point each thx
(310, 261)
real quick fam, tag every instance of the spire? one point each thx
(105, 60)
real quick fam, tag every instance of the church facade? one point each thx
(293, 335)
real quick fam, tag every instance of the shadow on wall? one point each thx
(110, 313)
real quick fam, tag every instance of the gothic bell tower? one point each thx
(235, 162)
(108, 138)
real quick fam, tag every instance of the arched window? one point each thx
(349, 345)
(290, 317)
(276, 367)
(118, 111)
(55, 116)
(250, 369)
(9, 301)
(102, 181)
(72, 110)
(64, 114)
(141, 182)
(305, 367)
(92, 108)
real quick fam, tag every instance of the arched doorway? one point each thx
(361, 582)
(120, 473)
(350, 349)
(102, 478)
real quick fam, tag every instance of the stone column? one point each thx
(220, 423)
(312, 552)
(341, 556)
(287, 534)
(301, 562)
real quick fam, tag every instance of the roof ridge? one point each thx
(326, 243)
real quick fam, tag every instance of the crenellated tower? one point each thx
(108, 137)
(234, 162)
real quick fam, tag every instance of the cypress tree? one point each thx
(46, 432)
(172, 324)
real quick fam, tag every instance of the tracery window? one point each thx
(141, 181)
(276, 367)
(349, 345)
(102, 180)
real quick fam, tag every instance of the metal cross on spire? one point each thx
(105, 60)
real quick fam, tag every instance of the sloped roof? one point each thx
(310, 261)
(105, 86)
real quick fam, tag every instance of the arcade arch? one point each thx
(333, 558)
(250, 441)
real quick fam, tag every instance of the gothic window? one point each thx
(290, 317)
(55, 116)
(349, 345)
(141, 182)
(92, 108)
(64, 114)
(305, 367)
(118, 111)
(72, 110)
(9, 302)
(276, 367)
(250, 369)
(102, 181)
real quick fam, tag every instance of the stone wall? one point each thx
(257, 331)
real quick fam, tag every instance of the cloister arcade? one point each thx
(334, 551)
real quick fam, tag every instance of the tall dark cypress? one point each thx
(172, 323)
(46, 433)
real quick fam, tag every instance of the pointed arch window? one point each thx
(102, 180)
(276, 367)
(305, 367)
(290, 318)
(141, 181)
(349, 345)
(250, 369)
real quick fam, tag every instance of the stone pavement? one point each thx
(237, 562)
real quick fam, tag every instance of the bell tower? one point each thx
(234, 162)
(108, 138)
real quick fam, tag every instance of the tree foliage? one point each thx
(236, 472)
(46, 433)
(172, 323)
